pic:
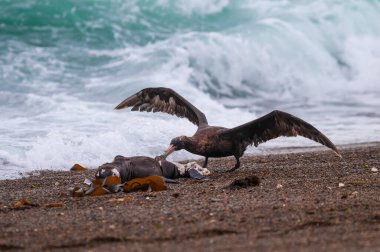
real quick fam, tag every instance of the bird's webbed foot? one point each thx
(232, 169)
(237, 165)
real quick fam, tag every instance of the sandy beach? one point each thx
(306, 201)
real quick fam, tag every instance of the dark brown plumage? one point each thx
(211, 141)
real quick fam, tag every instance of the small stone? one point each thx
(374, 169)
(244, 182)
(87, 182)
(56, 183)
(175, 195)
(101, 208)
(279, 186)
(112, 226)
(341, 185)
(215, 200)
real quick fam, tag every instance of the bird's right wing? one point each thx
(164, 100)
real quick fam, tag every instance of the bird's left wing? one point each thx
(276, 124)
(164, 100)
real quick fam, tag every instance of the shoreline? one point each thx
(309, 200)
(316, 148)
(269, 151)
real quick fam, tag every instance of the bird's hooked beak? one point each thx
(169, 150)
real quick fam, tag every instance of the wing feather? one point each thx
(276, 124)
(164, 100)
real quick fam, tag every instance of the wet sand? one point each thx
(298, 206)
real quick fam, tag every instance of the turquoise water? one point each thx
(64, 65)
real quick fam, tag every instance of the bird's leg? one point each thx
(237, 165)
(205, 163)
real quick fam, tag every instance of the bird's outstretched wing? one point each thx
(164, 100)
(276, 124)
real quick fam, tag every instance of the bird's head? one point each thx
(106, 170)
(177, 143)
